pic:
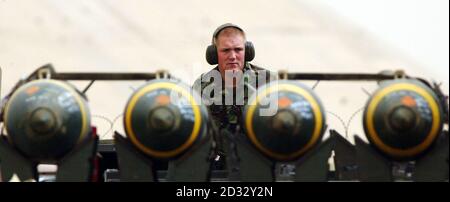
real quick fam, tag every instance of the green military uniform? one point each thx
(229, 117)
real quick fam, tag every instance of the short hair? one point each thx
(228, 32)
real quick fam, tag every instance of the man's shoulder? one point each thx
(205, 78)
(256, 67)
(258, 70)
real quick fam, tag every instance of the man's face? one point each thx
(231, 52)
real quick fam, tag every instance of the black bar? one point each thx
(290, 76)
(336, 76)
(104, 76)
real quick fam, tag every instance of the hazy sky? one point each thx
(419, 29)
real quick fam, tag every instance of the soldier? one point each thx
(226, 88)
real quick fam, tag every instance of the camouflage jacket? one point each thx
(228, 115)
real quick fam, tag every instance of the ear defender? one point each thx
(211, 50)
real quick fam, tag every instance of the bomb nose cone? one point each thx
(284, 122)
(43, 121)
(402, 119)
(162, 119)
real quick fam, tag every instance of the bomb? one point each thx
(403, 118)
(284, 120)
(165, 118)
(45, 119)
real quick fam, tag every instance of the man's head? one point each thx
(229, 48)
(230, 45)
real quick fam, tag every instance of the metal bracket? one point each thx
(162, 74)
(283, 74)
(399, 74)
(44, 74)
